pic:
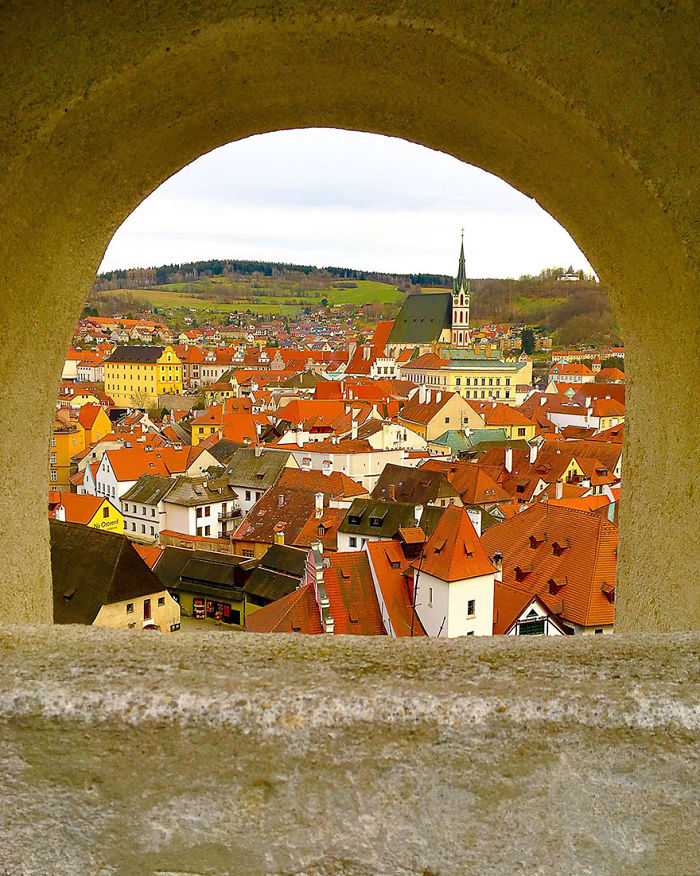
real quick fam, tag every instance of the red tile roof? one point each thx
(350, 589)
(295, 613)
(336, 484)
(416, 412)
(453, 552)
(563, 555)
(80, 508)
(474, 485)
(149, 553)
(323, 529)
(389, 563)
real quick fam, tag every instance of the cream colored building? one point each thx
(471, 377)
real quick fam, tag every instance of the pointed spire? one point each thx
(461, 281)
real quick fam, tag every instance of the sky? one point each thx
(342, 198)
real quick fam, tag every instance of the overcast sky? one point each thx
(342, 198)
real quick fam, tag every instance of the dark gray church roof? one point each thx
(422, 318)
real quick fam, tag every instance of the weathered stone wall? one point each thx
(586, 106)
(129, 754)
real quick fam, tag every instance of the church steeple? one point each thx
(461, 281)
(460, 303)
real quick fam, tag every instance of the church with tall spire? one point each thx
(461, 294)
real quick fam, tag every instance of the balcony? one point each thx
(231, 514)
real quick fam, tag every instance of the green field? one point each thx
(530, 306)
(220, 295)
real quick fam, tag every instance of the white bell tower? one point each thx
(460, 304)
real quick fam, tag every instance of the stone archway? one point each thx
(587, 112)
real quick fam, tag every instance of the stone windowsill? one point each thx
(233, 753)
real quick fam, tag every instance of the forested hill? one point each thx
(576, 310)
(188, 272)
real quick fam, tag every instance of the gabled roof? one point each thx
(415, 411)
(88, 414)
(563, 555)
(335, 484)
(280, 511)
(453, 552)
(510, 602)
(382, 331)
(129, 463)
(149, 489)
(257, 470)
(295, 613)
(422, 318)
(91, 568)
(350, 589)
(79, 508)
(372, 517)
(323, 529)
(497, 414)
(474, 485)
(190, 492)
(389, 564)
(419, 486)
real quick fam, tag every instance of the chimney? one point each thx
(418, 514)
(428, 394)
(421, 394)
(543, 400)
(329, 625)
(317, 546)
(533, 454)
(558, 490)
(353, 430)
(318, 504)
(438, 398)
(280, 500)
(509, 459)
(61, 513)
(498, 563)
(258, 451)
(279, 533)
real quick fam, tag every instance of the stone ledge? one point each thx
(232, 753)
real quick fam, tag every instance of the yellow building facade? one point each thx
(67, 439)
(96, 512)
(136, 376)
(156, 611)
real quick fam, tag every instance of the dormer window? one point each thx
(558, 549)
(535, 542)
(439, 546)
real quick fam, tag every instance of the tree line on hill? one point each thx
(237, 269)
(575, 312)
